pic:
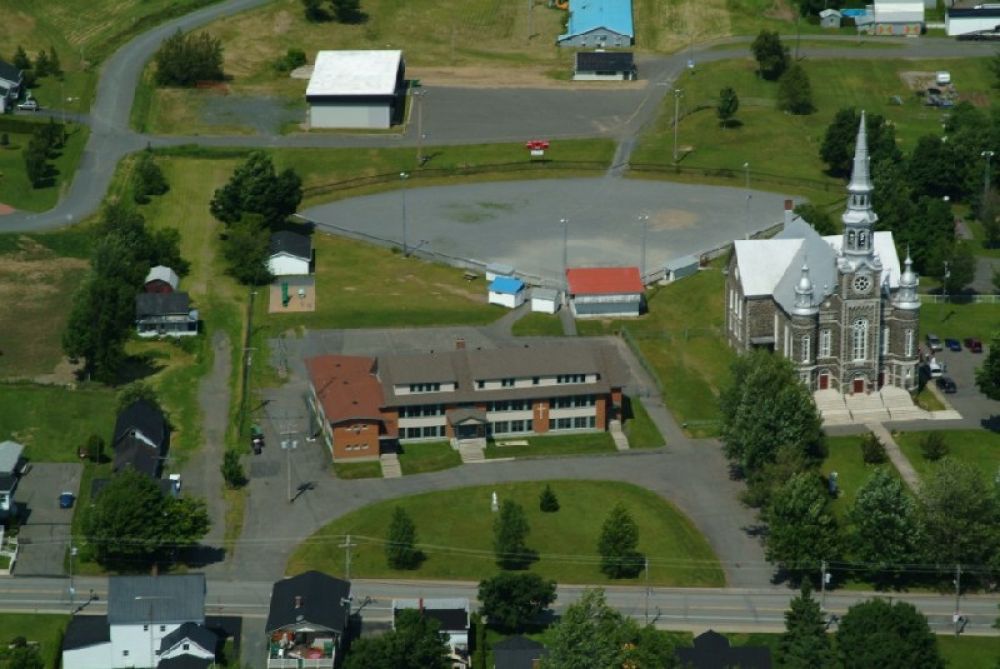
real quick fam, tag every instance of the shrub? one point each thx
(4, 139)
(184, 60)
(547, 500)
(232, 470)
(95, 448)
(872, 450)
(292, 59)
(933, 446)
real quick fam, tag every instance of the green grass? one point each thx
(46, 629)
(958, 321)
(84, 562)
(418, 458)
(970, 652)
(852, 471)
(454, 530)
(52, 421)
(538, 325)
(640, 428)
(17, 191)
(681, 337)
(587, 443)
(979, 448)
(928, 401)
(358, 470)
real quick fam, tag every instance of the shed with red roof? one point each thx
(605, 292)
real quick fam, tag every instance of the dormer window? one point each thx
(571, 378)
(425, 387)
(506, 383)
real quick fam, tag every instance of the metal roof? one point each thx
(161, 304)
(10, 455)
(174, 598)
(604, 280)
(164, 274)
(507, 285)
(310, 597)
(588, 15)
(604, 61)
(292, 243)
(544, 294)
(355, 73)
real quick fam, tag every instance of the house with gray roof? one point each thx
(11, 462)
(11, 80)
(163, 314)
(837, 306)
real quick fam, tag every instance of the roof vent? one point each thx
(298, 601)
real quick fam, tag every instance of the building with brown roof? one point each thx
(364, 406)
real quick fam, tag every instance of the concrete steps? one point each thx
(390, 466)
(621, 441)
(472, 451)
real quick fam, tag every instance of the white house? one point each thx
(452, 615)
(972, 20)
(290, 254)
(152, 621)
(605, 292)
(545, 300)
(507, 292)
(356, 89)
(11, 80)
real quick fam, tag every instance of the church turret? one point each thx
(804, 304)
(906, 296)
(859, 218)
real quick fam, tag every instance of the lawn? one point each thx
(586, 443)
(970, 652)
(681, 338)
(17, 191)
(432, 456)
(358, 470)
(454, 530)
(980, 448)
(52, 421)
(852, 471)
(46, 629)
(640, 428)
(958, 321)
(538, 325)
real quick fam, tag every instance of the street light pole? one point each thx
(419, 95)
(403, 176)
(565, 224)
(944, 280)
(645, 225)
(677, 108)
(288, 446)
(746, 224)
(988, 155)
(72, 588)
(958, 595)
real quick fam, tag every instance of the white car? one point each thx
(29, 105)
(943, 78)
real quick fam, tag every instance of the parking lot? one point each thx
(45, 533)
(977, 410)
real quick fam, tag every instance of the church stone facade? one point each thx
(837, 306)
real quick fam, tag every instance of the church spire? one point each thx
(859, 218)
(860, 178)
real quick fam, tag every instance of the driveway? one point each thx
(45, 534)
(977, 410)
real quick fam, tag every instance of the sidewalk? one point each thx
(899, 460)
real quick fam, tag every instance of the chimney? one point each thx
(789, 205)
(460, 344)
(298, 601)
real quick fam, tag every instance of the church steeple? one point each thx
(804, 305)
(906, 296)
(859, 218)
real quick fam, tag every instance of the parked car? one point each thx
(952, 345)
(974, 344)
(935, 369)
(934, 342)
(29, 105)
(66, 500)
(946, 384)
(256, 439)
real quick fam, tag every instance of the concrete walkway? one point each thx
(568, 322)
(896, 455)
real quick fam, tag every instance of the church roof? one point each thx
(762, 263)
(885, 248)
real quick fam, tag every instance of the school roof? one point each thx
(604, 61)
(311, 597)
(506, 284)
(164, 274)
(604, 280)
(174, 598)
(588, 15)
(292, 243)
(346, 386)
(354, 73)
(10, 454)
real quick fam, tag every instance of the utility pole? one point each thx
(289, 445)
(565, 224)
(247, 357)
(677, 109)
(647, 590)
(347, 546)
(403, 176)
(958, 594)
(746, 172)
(988, 155)
(531, 8)
(822, 585)
(419, 99)
(72, 589)
(944, 281)
(645, 224)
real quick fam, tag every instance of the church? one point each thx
(837, 306)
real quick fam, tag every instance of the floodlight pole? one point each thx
(677, 108)
(644, 218)
(403, 176)
(419, 96)
(746, 172)
(988, 155)
(565, 224)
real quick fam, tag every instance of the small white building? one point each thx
(830, 18)
(899, 17)
(678, 268)
(356, 89)
(290, 254)
(545, 300)
(972, 20)
(507, 292)
(495, 270)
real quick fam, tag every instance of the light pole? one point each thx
(403, 176)
(644, 219)
(746, 173)
(677, 108)
(72, 588)
(419, 97)
(565, 224)
(944, 280)
(988, 155)
(289, 445)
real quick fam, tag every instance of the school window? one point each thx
(430, 431)
(506, 383)
(571, 378)
(480, 384)
(580, 422)
(518, 426)
(501, 427)
(125, 652)
(518, 405)
(425, 387)
(535, 380)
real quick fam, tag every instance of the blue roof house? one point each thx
(598, 23)
(507, 292)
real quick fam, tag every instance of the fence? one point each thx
(633, 346)
(960, 299)
(737, 175)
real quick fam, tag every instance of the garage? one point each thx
(356, 89)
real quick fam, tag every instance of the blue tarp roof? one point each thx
(506, 284)
(587, 15)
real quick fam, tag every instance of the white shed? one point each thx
(290, 254)
(545, 300)
(830, 18)
(496, 270)
(356, 89)
(678, 268)
(507, 292)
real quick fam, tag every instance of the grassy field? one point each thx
(17, 191)
(958, 321)
(52, 421)
(640, 428)
(358, 470)
(852, 471)
(46, 629)
(538, 325)
(586, 443)
(681, 337)
(454, 530)
(980, 448)
(428, 457)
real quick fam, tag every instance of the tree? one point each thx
(232, 470)
(414, 644)
(547, 500)
(21, 60)
(929, 233)
(133, 522)
(95, 448)
(147, 178)
(801, 530)
(837, 149)
(255, 188)
(885, 526)
(727, 106)
(876, 633)
(795, 91)
(960, 514)
(36, 162)
(805, 644)
(21, 656)
(134, 392)
(872, 450)
(771, 54)
(995, 68)
(510, 530)
(512, 601)
(246, 248)
(988, 376)
(55, 66)
(933, 167)
(314, 11)
(933, 446)
(42, 65)
(400, 546)
(184, 60)
(347, 11)
(989, 216)
(821, 220)
(961, 266)
(618, 543)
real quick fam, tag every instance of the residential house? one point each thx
(11, 463)
(966, 20)
(507, 292)
(11, 80)
(598, 23)
(165, 315)
(357, 89)
(307, 621)
(605, 292)
(518, 652)
(604, 66)
(363, 406)
(545, 300)
(452, 616)
(141, 439)
(711, 650)
(161, 279)
(290, 254)
(152, 621)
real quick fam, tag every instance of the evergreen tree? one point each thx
(232, 470)
(988, 376)
(184, 60)
(55, 66)
(801, 530)
(795, 91)
(934, 169)
(510, 532)
(400, 545)
(147, 178)
(512, 601)
(21, 60)
(771, 54)
(347, 11)
(42, 66)
(837, 149)
(818, 218)
(618, 543)
(875, 633)
(989, 217)
(36, 163)
(727, 106)
(256, 188)
(314, 11)
(886, 530)
(933, 446)
(805, 644)
(547, 500)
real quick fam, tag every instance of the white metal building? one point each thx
(545, 300)
(507, 292)
(899, 17)
(290, 254)
(964, 21)
(604, 292)
(356, 89)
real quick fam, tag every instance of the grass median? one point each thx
(420, 458)
(979, 448)
(454, 530)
